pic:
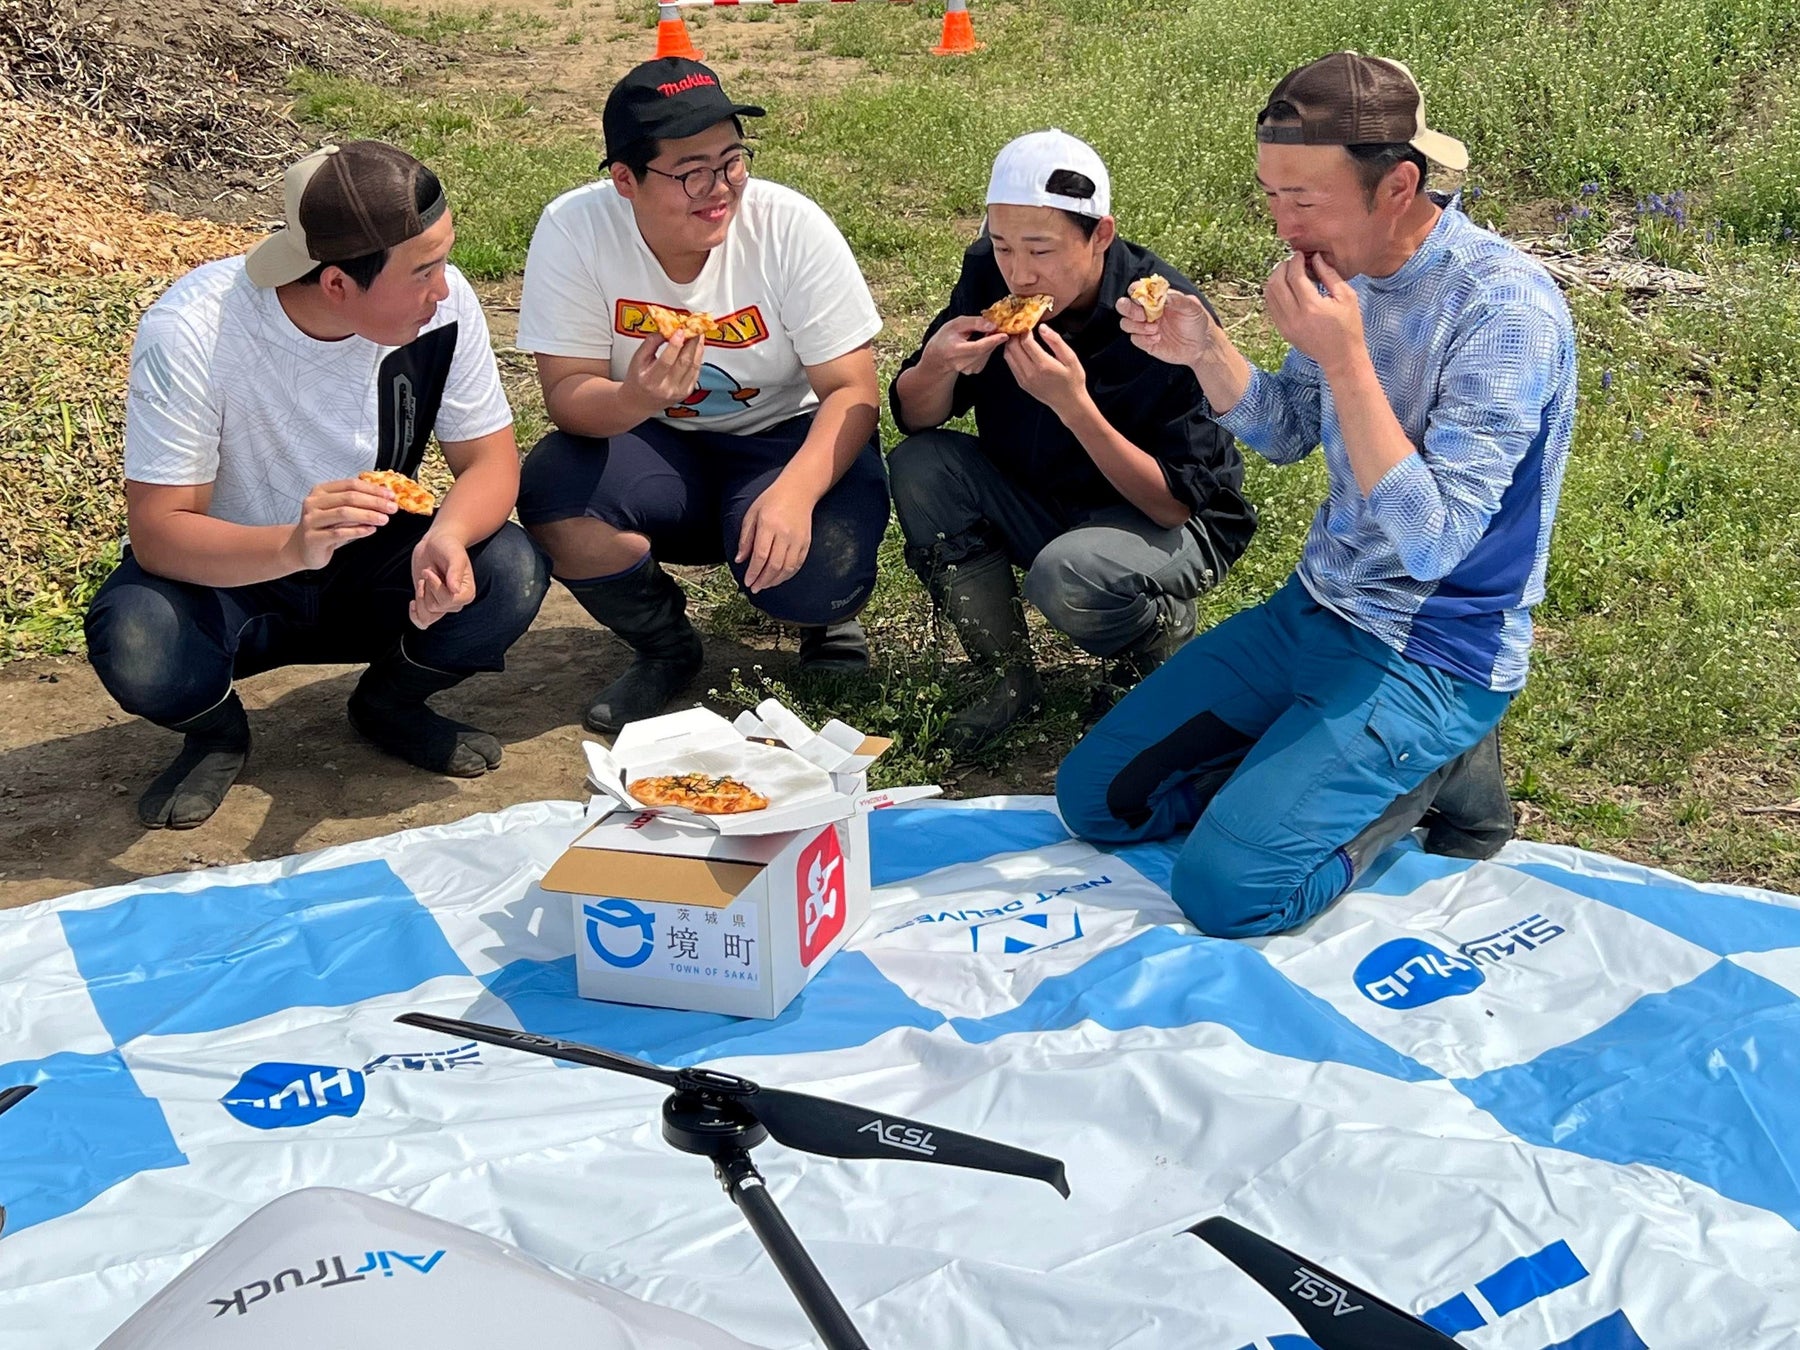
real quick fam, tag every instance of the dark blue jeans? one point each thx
(169, 650)
(688, 491)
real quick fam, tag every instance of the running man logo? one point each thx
(819, 882)
(744, 328)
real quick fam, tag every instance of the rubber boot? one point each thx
(388, 708)
(1393, 824)
(191, 789)
(647, 609)
(1125, 670)
(834, 649)
(1472, 815)
(982, 603)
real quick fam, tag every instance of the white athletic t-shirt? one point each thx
(783, 289)
(226, 390)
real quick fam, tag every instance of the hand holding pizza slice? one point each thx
(669, 322)
(1152, 292)
(410, 494)
(1017, 314)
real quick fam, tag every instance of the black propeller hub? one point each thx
(713, 1083)
(699, 1122)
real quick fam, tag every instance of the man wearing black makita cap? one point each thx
(750, 441)
(1433, 363)
(260, 388)
(1094, 466)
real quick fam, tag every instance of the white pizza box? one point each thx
(680, 911)
(809, 777)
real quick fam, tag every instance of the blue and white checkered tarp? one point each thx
(1548, 1101)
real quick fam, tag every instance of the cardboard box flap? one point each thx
(673, 836)
(705, 882)
(701, 726)
(837, 746)
(605, 776)
(859, 750)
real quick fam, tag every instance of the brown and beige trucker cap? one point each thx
(1351, 99)
(346, 201)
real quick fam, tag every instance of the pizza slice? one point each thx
(1152, 292)
(412, 495)
(669, 322)
(1016, 314)
(700, 792)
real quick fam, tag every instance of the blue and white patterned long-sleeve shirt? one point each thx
(1443, 560)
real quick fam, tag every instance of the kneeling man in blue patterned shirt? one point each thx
(1435, 365)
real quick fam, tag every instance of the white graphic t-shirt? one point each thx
(783, 289)
(226, 390)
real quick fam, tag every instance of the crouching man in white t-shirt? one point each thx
(751, 443)
(260, 387)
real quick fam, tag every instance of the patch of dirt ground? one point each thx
(72, 764)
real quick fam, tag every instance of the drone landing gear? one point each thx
(719, 1129)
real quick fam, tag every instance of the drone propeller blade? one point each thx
(12, 1096)
(572, 1052)
(1331, 1310)
(839, 1130)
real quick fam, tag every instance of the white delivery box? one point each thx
(728, 914)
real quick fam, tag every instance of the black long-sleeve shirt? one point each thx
(1156, 406)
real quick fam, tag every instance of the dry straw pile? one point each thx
(98, 101)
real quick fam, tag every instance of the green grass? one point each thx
(60, 419)
(1666, 693)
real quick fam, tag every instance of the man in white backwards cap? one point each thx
(1095, 467)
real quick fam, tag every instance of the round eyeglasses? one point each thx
(699, 182)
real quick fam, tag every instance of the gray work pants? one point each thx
(1103, 576)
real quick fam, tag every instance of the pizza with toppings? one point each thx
(669, 322)
(1016, 314)
(411, 495)
(1152, 292)
(700, 792)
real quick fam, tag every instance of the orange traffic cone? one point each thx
(672, 35)
(959, 31)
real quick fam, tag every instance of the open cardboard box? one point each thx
(727, 914)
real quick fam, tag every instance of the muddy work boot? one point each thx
(187, 792)
(1471, 816)
(647, 609)
(1462, 805)
(1125, 670)
(388, 707)
(834, 649)
(982, 605)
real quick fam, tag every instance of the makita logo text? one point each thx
(907, 1137)
(684, 84)
(328, 1273)
(1321, 1292)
